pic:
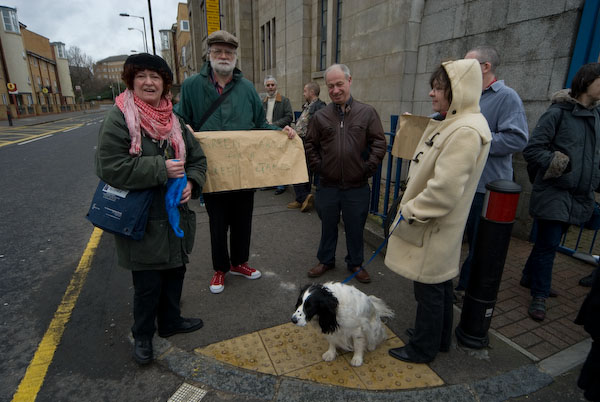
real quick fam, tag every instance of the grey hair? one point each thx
(344, 68)
(313, 86)
(269, 78)
(487, 54)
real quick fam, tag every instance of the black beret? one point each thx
(149, 62)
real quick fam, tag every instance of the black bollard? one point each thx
(493, 238)
(10, 123)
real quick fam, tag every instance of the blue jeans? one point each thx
(471, 231)
(353, 204)
(538, 268)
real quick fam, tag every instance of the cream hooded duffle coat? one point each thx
(425, 246)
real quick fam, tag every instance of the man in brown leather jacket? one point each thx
(344, 145)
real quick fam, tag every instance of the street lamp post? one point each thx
(144, 43)
(143, 22)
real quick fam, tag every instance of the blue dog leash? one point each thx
(348, 279)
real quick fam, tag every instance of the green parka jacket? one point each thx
(242, 110)
(160, 248)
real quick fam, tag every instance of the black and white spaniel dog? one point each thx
(348, 318)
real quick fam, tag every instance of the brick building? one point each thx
(37, 68)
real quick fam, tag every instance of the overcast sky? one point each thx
(95, 25)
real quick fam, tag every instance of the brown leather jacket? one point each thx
(345, 151)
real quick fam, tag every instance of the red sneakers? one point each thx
(245, 271)
(217, 282)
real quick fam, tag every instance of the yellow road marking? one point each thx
(30, 137)
(38, 367)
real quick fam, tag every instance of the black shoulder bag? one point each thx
(215, 105)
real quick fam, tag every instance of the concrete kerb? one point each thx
(210, 373)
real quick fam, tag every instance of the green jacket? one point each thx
(160, 248)
(242, 110)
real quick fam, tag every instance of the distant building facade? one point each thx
(37, 68)
(184, 52)
(110, 68)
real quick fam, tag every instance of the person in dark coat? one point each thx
(563, 157)
(141, 145)
(278, 111)
(589, 378)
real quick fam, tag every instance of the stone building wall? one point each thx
(535, 39)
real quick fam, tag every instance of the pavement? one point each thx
(49, 117)
(249, 350)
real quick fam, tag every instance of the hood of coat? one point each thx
(466, 81)
(564, 96)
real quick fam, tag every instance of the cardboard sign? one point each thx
(410, 131)
(251, 159)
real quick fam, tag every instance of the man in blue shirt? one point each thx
(504, 112)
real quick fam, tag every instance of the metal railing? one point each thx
(392, 179)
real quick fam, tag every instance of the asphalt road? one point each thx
(46, 189)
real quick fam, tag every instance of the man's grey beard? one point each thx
(222, 69)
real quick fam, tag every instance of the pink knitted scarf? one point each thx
(158, 123)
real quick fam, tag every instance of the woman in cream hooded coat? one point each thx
(425, 245)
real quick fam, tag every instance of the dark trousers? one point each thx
(302, 190)
(353, 204)
(230, 211)
(471, 232)
(433, 324)
(157, 294)
(538, 268)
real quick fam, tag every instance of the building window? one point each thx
(267, 38)
(262, 46)
(4, 100)
(11, 22)
(338, 31)
(273, 42)
(323, 35)
(60, 50)
(185, 25)
(164, 40)
(34, 62)
(183, 59)
(30, 99)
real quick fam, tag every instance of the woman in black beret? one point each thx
(141, 145)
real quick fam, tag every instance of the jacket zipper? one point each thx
(341, 139)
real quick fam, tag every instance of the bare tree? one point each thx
(81, 67)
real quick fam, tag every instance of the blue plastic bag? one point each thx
(172, 199)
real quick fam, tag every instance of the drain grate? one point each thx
(187, 393)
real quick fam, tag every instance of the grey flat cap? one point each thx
(222, 37)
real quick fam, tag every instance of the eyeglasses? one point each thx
(219, 52)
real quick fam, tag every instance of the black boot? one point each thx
(142, 351)
(587, 281)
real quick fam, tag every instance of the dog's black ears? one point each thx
(327, 311)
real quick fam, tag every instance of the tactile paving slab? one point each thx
(296, 352)
(246, 351)
(380, 371)
(292, 347)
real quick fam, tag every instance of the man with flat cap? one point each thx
(240, 108)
